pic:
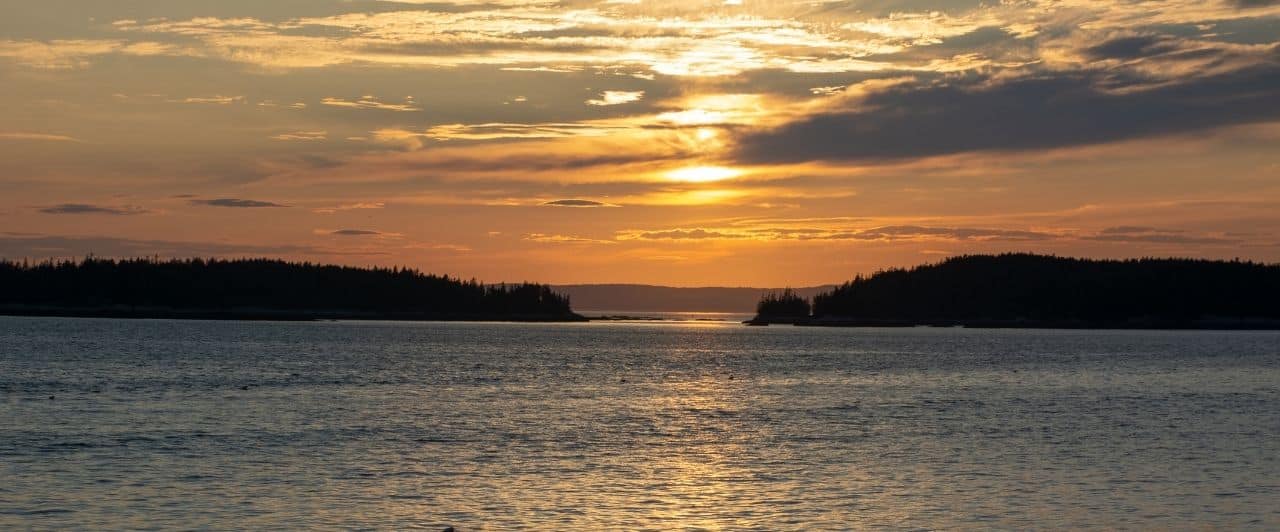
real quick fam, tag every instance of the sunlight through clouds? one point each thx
(976, 126)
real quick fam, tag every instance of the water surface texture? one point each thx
(483, 426)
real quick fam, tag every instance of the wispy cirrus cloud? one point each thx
(616, 98)
(217, 99)
(350, 207)
(302, 136)
(64, 54)
(371, 102)
(24, 135)
(576, 203)
(359, 232)
(236, 203)
(565, 239)
(86, 208)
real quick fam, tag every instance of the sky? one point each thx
(684, 143)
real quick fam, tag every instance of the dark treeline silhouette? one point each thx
(1038, 290)
(785, 304)
(269, 288)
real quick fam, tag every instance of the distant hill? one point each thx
(263, 289)
(1046, 291)
(648, 298)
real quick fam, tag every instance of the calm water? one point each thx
(632, 426)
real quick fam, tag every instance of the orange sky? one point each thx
(680, 143)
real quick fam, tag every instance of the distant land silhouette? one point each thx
(649, 298)
(1025, 290)
(263, 289)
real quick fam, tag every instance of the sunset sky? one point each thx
(688, 143)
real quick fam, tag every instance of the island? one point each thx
(263, 289)
(1021, 290)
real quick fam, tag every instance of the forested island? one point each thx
(1026, 290)
(263, 289)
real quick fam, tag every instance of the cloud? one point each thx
(63, 54)
(616, 98)
(498, 130)
(350, 207)
(1254, 3)
(83, 208)
(302, 136)
(1131, 47)
(234, 202)
(929, 118)
(564, 239)
(829, 90)
(577, 203)
(37, 136)
(687, 234)
(355, 232)
(212, 100)
(370, 102)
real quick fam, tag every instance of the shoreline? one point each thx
(1210, 324)
(272, 315)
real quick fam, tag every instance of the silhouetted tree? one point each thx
(264, 284)
(1038, 287)
(786, 304)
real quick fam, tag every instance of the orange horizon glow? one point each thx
(685, 144)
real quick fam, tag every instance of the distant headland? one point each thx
(263, 289)
(1020, 290)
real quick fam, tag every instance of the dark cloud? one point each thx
(1131, 47)
(234, 202)
(927, 119)
(577, 203)
(1254, 3)
(84, 208)
(355, 232)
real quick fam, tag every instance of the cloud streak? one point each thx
(85, 208)
(616, 98)
(236, 203)
(37, 136)
(576, 203)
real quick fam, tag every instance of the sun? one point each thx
(703, 174)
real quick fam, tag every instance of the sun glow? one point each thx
(703, 174)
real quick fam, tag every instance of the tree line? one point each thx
(265, 284)
(1020, 286)
(785, 304)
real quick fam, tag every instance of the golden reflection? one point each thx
(700, 420)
